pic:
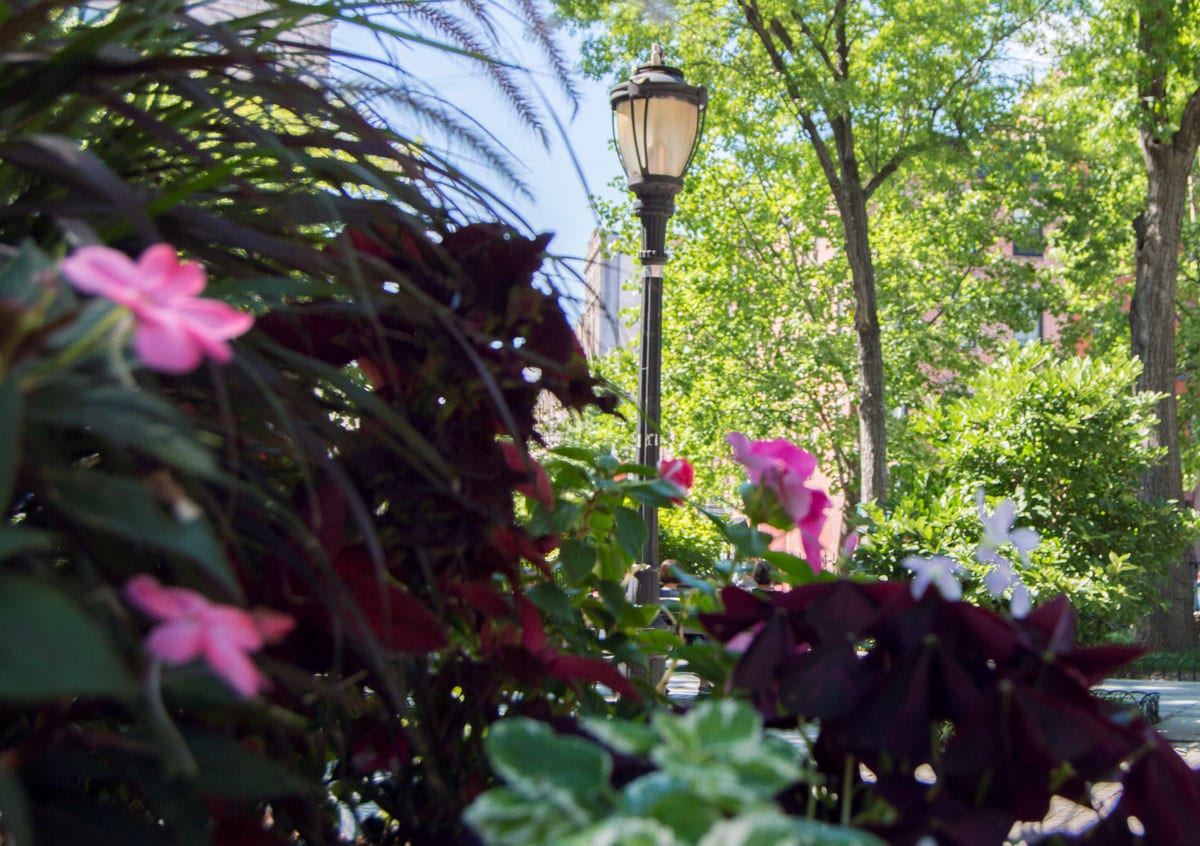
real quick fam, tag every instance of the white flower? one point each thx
(998, 531)
(1021, 602)
(935, 570)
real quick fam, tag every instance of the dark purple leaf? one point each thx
(1164, 793)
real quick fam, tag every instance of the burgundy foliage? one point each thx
(435, 576)
(1000, 710)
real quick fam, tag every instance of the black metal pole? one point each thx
(650, 420)
(655, 205)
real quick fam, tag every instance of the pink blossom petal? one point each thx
(175, 328)
(177, 642)
(213, 318)
(104, 272)
(741, 641)
(234, 666)
(164, 277)
(204, 324)
(804, 505)
(760, 457)
(163, 603)
(166, 346)
(812, 550)
(234, 627)
(678, 472)
(272, 625)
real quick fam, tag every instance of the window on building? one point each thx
(1029, 236)
(1034, 334)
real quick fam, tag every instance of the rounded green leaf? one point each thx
(49, 647)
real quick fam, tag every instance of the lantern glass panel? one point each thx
(656, 135)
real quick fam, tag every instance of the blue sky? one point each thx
(560, 202)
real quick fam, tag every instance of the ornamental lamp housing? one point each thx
(657, 122)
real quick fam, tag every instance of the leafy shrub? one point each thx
(1066, 440)
(707, 777)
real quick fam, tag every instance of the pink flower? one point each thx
(678, 472)
(784, 469)
(193, 627)
(175, 328)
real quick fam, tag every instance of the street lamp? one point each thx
(657, 120)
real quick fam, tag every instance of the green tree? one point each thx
(1130, 93)
(818, 112)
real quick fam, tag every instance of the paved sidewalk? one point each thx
(1178, 706)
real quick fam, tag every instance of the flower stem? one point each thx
(178, 760)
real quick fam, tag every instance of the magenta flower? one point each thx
(192, 627)
(175, 328)
(784, 469)
(678, 472)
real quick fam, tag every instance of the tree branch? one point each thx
(1188, 135)
(818, 43)
(754, 18)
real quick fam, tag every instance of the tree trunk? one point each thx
(872, 415)
(1152, 336)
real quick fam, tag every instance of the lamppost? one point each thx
(657, 120)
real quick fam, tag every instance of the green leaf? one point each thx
(17, 540)
(587, 456)
(569, 773)
(721, 750)
(625, 736)
(725, 722)
(20, 278)
(577, 557)
(12, 407)
(637, 616)
(126, 418)
(227, 768)
(14, 808)
(613, 562)
(705, 661)
(129, 509)
(613, 597)
(506, 818)
(624, 831)
(551, 599)
(670, 801)
(771, 828)
(50, 648)
(658, 640)
(749, 541)
(796, 570)
(631, 532)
